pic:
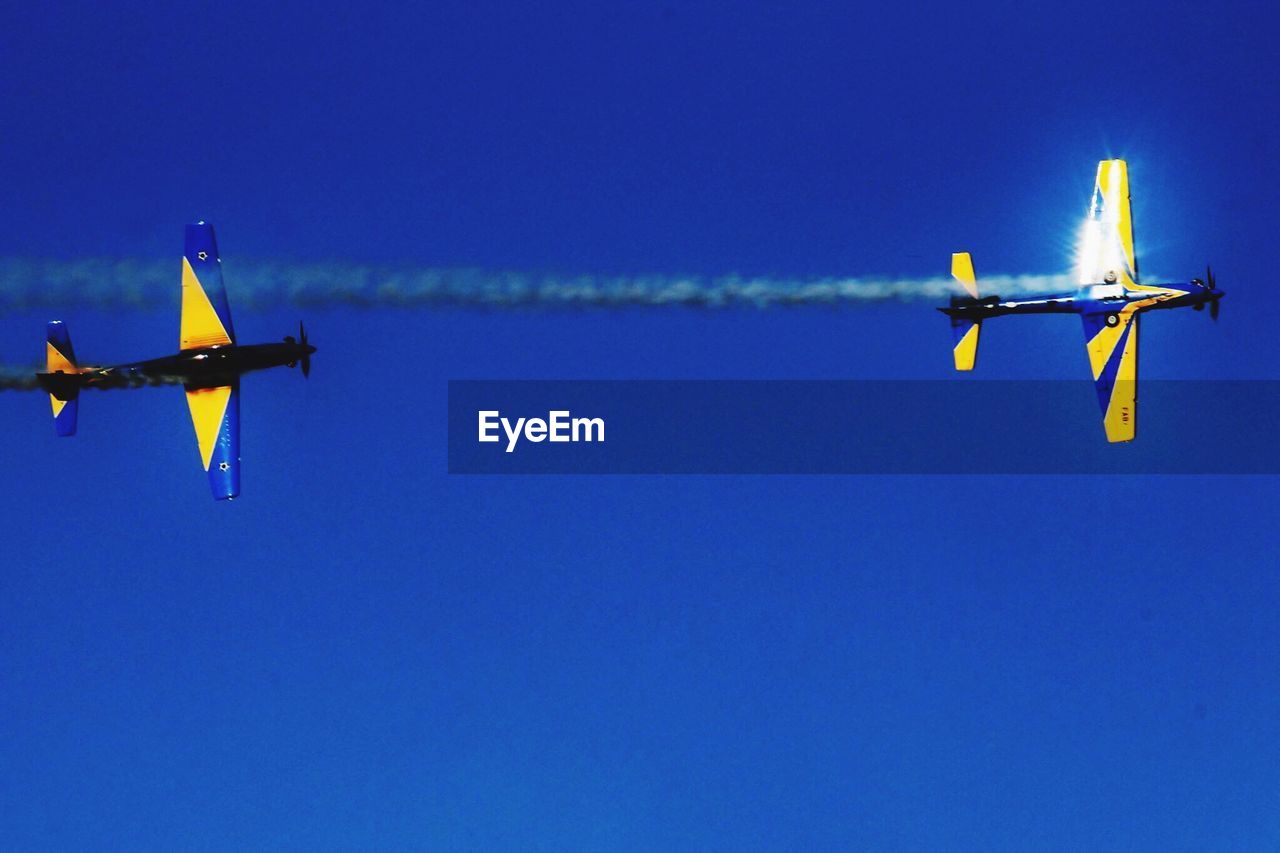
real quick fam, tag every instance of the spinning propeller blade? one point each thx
(1211, 283)
(306, 356)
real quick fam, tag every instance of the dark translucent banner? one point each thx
(959, 426)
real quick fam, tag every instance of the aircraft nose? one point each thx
(310, 349)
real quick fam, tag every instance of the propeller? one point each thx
(1214, 307)
(306, 355)
(1208, 283)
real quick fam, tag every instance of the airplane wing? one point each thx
(206, 317)
(206, 322)
(1111, 338)
(216, 415)
(1108, 239)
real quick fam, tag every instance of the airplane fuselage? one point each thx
(208, 367)
(1088, 299)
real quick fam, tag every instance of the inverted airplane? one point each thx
(1108, 301)
(209, 364)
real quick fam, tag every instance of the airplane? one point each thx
(1108, 301)
(208, 365)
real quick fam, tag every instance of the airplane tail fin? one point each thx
(962, 271)
(965, 329)
(61, 378)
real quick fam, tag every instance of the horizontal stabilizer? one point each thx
(966, 341)
(62, 378)
(965, 329)
(962, 270)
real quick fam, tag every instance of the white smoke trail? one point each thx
(13, 378)
(132, 283)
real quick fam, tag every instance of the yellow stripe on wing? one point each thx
(1113, 185)
(1120, 421)
(201, 326)
(966, 350)
(56, 362)
(208, 406)
(1104, 343)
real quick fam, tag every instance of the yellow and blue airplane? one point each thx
(1108, 301)
(208, 365)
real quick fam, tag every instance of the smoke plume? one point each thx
(122, 284)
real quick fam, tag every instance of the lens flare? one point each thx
(1089, 251)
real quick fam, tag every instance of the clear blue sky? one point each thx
(365, 652)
